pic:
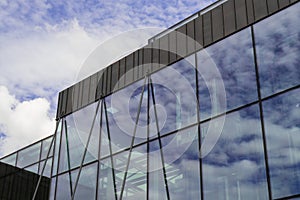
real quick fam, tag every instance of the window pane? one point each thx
(33, 168)
(11, 160)
(57, 147)
(231, 62)
(175, 95)
(122, 109)
(278, 47)
(235, 168)
(29, 155)
(105, 181)
(47, 170)
(86, 188)
(45, 148)
(282, 126)
(64, 185)
(136, 181)
(181, 161)
(74, 138)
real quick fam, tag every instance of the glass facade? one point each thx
(222, 123)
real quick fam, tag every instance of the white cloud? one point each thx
(23, 122)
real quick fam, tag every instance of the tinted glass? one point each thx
(74, 138)
(227, 64)
(11, 160)
(105, 180)
(235, 167)
(86, 188)
(282, 126)
(175, 95)
(45, 148)
(29, 155)
(278, 48)
(181, 162)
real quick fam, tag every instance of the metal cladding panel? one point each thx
(164, 49)
(64, 102)
(135, 65)
(199, 33)
(121, 74)
(250, 11)
(108, 80)
(155, 55)
(75, 96)
(129, 69)
(283, 3)
(292, 1)
(141, 61)
(217, 23)
(80, 94)
(207, 32)
(240, 11)
(114, 76)
(272, 5)
(172, 45)
(99, 92)
(93, 88)
(181, 47)
(229, 17)
(147, 59)
(260, 9)
(70, 100)
(59, 106)
(104, 82)
(190, 32)
(85, 91)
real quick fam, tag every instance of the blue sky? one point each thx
(44, 43)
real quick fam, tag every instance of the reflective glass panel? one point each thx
(282, 127)
(175, 95)
(33, 168)
(56, 149)
(64, 187)
(120, 161)
(157, 186)
(181, 162)
(11, 160)
(136, 181)
(235, 167)
(226, 75)
(105, 180)
(74, 138)
(47, 170)
(52, 189)
(86, 188)
(122, 110)
(45, 148)
(278, 47)
(29, 155)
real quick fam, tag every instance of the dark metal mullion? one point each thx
(133, 137)
(45, 162)
(110, 150)
(85, 151)
(199, 127)
(99, 150)
(159, 141)
(261, 115)
(148, 133)
(68, 155)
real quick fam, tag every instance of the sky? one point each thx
(43, 45)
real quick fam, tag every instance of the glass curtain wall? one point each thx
(222, 123)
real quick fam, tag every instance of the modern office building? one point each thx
(209, 109)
